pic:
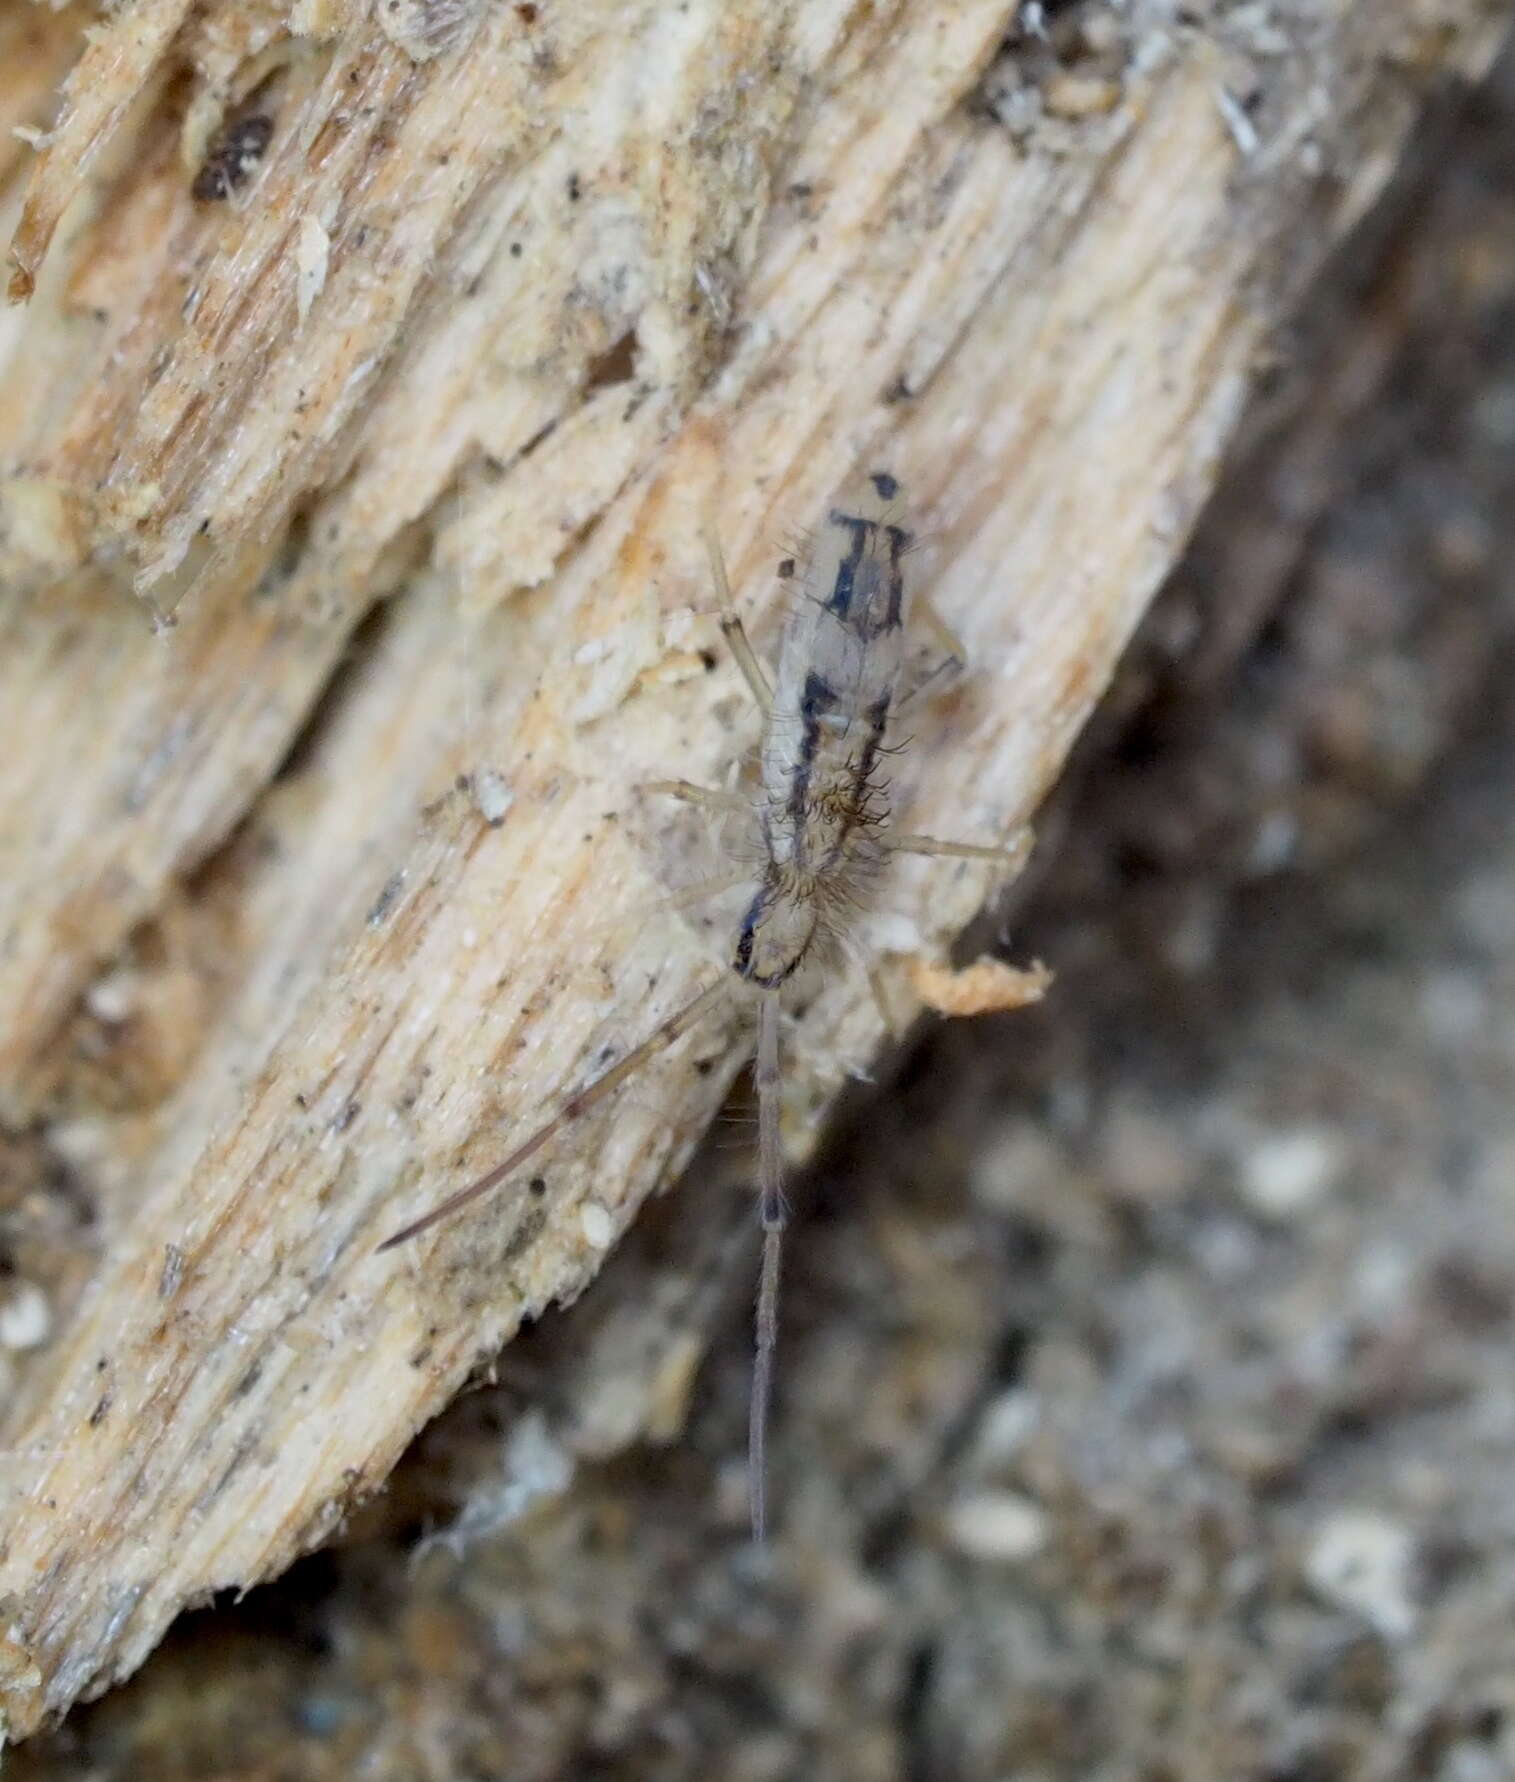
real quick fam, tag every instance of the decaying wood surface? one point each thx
(502, 297)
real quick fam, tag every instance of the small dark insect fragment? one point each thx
(232, 155)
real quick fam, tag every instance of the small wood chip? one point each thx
(988, 987)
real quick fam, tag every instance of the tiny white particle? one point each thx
(608, 666)
(596, 1224)
(26, 1319)
(997, 1525)
(1234, 116)
(113, 998)
(492, 794)
(1361, 1560)
(1006, 1426)
(312, 255)
(1288, 1172)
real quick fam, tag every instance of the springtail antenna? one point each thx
(576, 1105)
(774, 1215)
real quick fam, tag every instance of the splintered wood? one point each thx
(437, 327)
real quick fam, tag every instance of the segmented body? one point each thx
(821, 810)
(822, 802)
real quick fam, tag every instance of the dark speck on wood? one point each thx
(231, 158)
(384, 902)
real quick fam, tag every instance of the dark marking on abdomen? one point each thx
(839, 601)
(894, 606)
(883, 607)
(817, 702)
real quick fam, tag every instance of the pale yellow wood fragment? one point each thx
(987, 987)
(795, 229)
